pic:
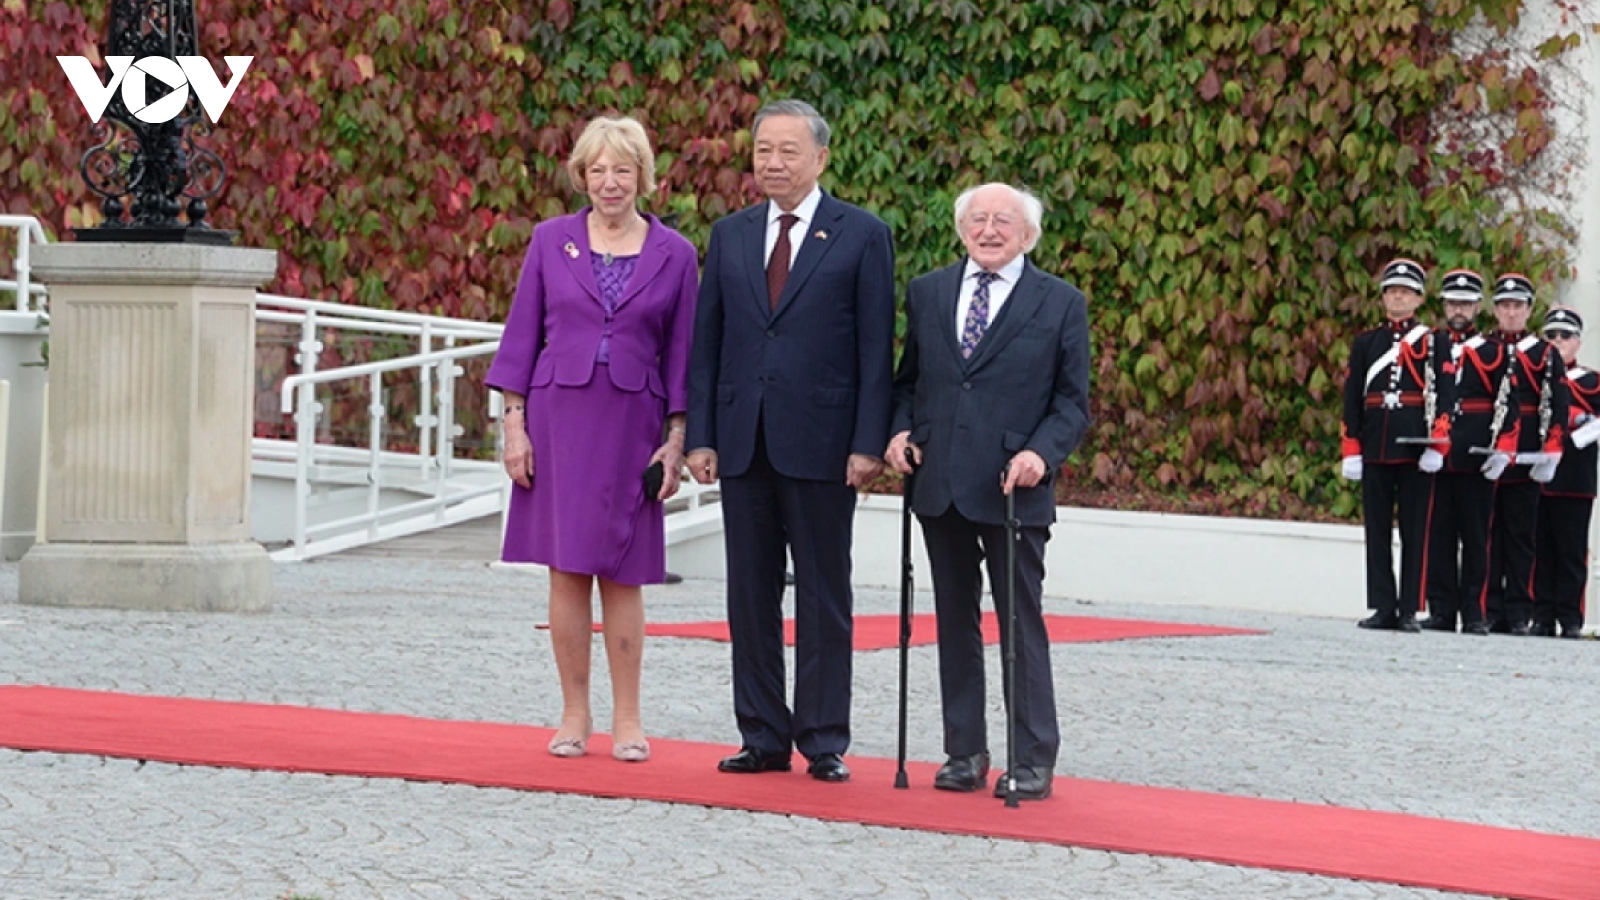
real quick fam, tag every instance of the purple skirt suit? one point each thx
(601, 352)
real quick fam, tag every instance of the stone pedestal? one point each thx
(152, 350)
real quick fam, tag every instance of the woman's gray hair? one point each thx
(1032, 210)
(820, 132)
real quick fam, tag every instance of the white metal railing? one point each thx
(29, 232)
(432, 468)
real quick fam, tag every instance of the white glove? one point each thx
(1351, 468)
(1496, 465)
(1586, 433)
(1542, 472)
(1431, 461)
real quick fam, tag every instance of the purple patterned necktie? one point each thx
(977, 315)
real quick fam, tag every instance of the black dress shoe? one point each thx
(1408, 624)
(1031, 784)
(1379, 622)
(1499, 626)
(1521, 629)
(1542, 629)
(1435, 623)
(1572, 633)
(750, 760)
(963, 773)
(828, 767)
(1479, 628)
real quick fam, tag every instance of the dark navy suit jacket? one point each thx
(1026, 387)
(818, 370)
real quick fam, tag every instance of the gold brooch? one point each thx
(572, 249)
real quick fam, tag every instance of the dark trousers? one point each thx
(765, 514)
(957, 550)
(1458, 546)
(1561, 569)
(1386, 487)
(1509, 598)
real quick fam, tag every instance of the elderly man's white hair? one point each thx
(1032, 210)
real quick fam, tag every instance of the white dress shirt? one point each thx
(806, 211)
(999, 290)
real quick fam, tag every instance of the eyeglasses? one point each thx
(1000, 221)
(1561, 335)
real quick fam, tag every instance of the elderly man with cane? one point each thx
(991, 395)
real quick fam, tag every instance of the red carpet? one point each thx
(1299, 837)
(883, 632)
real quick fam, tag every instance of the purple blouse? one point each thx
(612, 281)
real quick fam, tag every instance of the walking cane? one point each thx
(1012, 536)
(905, 610)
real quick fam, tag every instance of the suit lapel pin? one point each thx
(571, 249)
(821, 235)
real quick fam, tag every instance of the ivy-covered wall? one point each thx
(1221, 177)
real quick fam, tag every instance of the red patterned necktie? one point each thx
(778, 263)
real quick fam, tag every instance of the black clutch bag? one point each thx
(654, 476)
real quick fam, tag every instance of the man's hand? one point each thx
(896, 454)
(1351, 468)
(861, 469)
(1026, 470)
(518, 458)
(1496, 465)
(1545, 470)
(1431, 461)
(703, 466)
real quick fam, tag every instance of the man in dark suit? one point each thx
(789, 393)
(991, 396)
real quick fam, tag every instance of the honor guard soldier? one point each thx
(1538, 401)
(1458, 520)
(1395, 433)
(1562, 547)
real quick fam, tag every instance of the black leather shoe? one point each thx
(1408, 624)
(1521, 629)
(1379, 622)
(1435, 623)
(1499, 626)
(1542, 629)
(1571, 633)
(963, 773)
(749, 760)
(1479, 628)
(828, 767)
(1031, 784)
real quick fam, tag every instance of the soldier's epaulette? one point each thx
(1474, 342)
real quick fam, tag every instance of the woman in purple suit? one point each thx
(592, 368)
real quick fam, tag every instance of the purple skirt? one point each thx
(586, 512)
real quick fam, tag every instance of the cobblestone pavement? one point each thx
(1488, 730)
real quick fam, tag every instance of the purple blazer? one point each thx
(553, 332)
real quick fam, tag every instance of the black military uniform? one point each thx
(1463, 500)
(1538, 387)
(1396, 400)
(1561, 572)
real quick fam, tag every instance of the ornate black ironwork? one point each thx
(144, 171)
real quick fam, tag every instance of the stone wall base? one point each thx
(235, 577)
